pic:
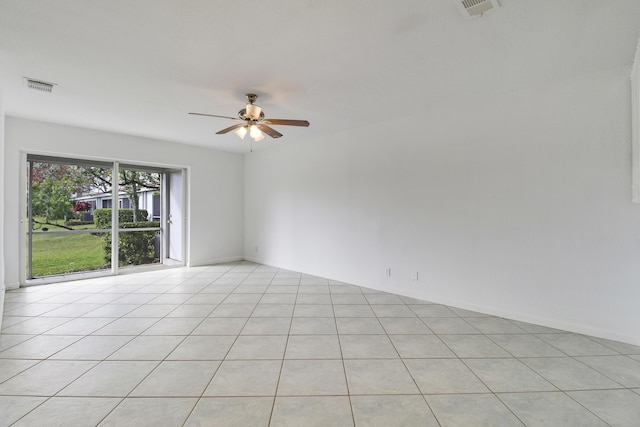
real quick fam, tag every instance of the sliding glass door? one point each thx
(88, 216)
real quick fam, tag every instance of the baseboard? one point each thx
(536, 320)
(12, 286)
(215, 261)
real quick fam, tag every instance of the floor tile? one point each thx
(34, 325)
(311, 411)
(281, 289)
(70, 411)
(274, 298)
(250, 289)
(267, 326)
(400, 325)
(46, 378)
(616, 407)
(385, 411)
(12, 367)
(8, 341)
(147, 347)
(206, 299)
(471, 410)
(202, 348)
(347, 298)
(321, 299)
(356, 325)
(392, 310)
(92, 348)
(436, 376)
(313, 310)
(310, 326)
(127, 326)
(35, 309)
(72, 310)
(111, 310)
(620, 347)
(245, 378)
(545, 409)
(231, 411)
(312, 378)
(420, 346)
(313, 347)
(171, 299)
(431, 310)
(80, 326)
(13, 408)
(525, 345)
(313, 289)
(150, 412)
(467, 346)
(505, 375)
(353, 310)
(193, 310)
(258, 347)
(567, 373)
(367, 347)
(39, 347)
(621, 369)
(177, 379)
(233, 310)
(379, 376)
(220, 326)
(110, 379)
(494, 325)
(576, 345)
(8, 321)
(134, 298)
(449, 325)
(244, 344)
(273, 310)
(173, 326)
(152, 310)
(384, 299)
(345, 289)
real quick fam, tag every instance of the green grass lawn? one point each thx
(55, 254)
(59, 254)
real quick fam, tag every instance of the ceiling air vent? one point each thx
(471, 8)
(39, 85)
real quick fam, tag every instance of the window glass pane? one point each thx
(60, 231)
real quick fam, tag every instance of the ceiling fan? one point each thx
(254, 121)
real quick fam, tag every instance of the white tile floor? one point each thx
(243, 344)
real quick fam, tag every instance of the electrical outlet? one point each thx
(415, 276)
(387, 271)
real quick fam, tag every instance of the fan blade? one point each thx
(214, 115)
(269, 131)
(229, 129)
(286, 122)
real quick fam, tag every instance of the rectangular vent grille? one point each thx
(478, 7)
(39, 85)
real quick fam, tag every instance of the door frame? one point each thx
(23, 216)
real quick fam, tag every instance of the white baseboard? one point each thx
(215, 261)
(9, 287)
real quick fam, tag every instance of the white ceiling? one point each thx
(138, 67)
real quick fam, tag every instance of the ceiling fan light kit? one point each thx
(254, 121)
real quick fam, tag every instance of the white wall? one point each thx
(518, 206)
(2, 280)
(214, 200)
